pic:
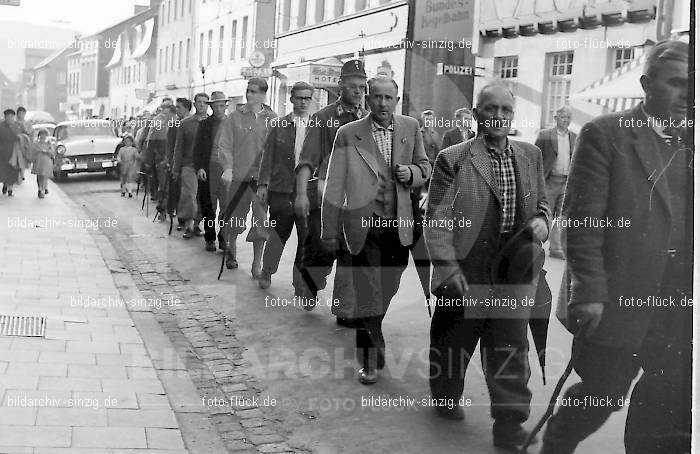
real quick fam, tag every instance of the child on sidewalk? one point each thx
(43, 153)
(128, 165)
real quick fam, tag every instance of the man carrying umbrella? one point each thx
(486, 219)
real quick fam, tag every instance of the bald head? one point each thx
(491, 89)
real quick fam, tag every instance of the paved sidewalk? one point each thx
(90, 385)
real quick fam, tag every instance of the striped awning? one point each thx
(618, 90)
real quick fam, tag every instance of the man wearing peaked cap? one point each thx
(310, 180)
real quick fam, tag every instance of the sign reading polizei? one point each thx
(250, 71)
(454, 69)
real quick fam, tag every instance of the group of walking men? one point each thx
(347, 179)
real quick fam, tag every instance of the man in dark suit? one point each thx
(557, 145)
(374, 165)
(460, 133)
(277, 185)
(628, 218)
(482, 193)
(210, 191)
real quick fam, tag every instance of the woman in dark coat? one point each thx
(8, 136)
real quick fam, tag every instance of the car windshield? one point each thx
(66, 131)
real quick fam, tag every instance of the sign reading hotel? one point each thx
(324, 75)
(443, 20)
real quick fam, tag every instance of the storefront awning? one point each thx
(117, 55)
(145, 32)
(618, 90)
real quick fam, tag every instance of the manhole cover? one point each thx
(19, 325)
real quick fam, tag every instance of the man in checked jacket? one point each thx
(482, 192)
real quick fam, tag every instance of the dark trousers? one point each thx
(173, 196)
(208, 208)
(376, 274)
(658, 419)
(316, 262)
(282, 220)
(504, 349)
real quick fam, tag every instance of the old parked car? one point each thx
(84, 146)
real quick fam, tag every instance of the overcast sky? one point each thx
(85, 16)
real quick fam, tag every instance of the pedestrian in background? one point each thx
(460, 133)
(43, 153)
(9, 175)
(128, 161)
(277, 188)
(557, 145)
(431, 138)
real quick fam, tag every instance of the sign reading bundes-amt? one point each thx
(444, 20)
(9, 2)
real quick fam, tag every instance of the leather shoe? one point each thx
(510, 436)
(210, 246)
(367, 376)
(455, 413)
(265, 281)
(231, 262)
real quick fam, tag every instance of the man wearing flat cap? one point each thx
(311, 172)
(630, 274)
(486, 200)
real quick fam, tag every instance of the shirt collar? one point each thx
(341, 109)
(507, 151)
(377, 127)
(562, 134)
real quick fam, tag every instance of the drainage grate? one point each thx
(20, 325)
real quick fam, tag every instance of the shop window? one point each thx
(221, 45)
(285, 15)
(244, 37)
(210, 41)
(319, 11)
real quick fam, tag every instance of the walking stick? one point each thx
(555, 395)
(227, 215)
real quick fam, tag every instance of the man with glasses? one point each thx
(276, 183)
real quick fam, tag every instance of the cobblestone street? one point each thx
(241, 372)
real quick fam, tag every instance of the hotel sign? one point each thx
(324, 75)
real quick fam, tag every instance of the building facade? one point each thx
(131, 65)
(50, 80)
(174, 63)
(551, 56)
(313, 38)
(232, 41)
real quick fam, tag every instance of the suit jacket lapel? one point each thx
(365, 144)
(398, 147)
(482, 163)
(522, 173)
(646, 149)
